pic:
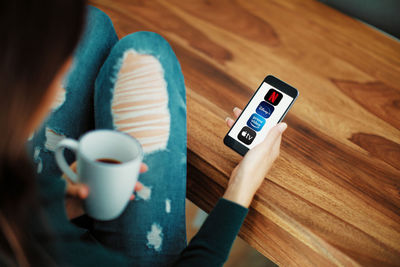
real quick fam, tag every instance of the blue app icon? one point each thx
(265, 109)
(256, 122)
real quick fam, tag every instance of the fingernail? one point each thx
(282, 127)
(138, 187)
(84, 192)
(235, 108)
(227, 118)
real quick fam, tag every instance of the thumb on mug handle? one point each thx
(60, 159)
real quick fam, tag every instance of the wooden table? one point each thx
(332, 198)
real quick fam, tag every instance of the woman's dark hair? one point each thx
(37, 37)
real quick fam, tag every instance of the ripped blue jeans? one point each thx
(134, 85)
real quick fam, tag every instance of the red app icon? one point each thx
(273, 97)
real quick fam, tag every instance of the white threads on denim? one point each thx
(140, 100)
(60, 99)
(36, 153)
(144, 193)
(39, 166)
(167, 205)
(154, 237)
(52, 139)
(36, 158)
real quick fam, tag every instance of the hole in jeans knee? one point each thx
(140, 101)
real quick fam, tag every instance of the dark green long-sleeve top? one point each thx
(210, 247)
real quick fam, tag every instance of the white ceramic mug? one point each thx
(110, 185)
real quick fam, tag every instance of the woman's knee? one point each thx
(140, 101)
(146, 76)
(146, 42)
(99, 26)
(149, 47)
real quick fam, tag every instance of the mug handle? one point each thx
(61, 162)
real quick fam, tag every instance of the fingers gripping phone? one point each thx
(267, 107)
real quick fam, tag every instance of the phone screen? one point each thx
(264, 111)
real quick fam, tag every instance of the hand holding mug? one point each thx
(75, 193)
(108, 162)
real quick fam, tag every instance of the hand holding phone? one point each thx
(249, 174)
(256, 129)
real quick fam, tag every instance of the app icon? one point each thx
(273, 97)
(265, 109)
(256, 122)
(247, 135)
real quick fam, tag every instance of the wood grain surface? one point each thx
(333, 196)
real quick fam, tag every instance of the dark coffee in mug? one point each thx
(109, 161)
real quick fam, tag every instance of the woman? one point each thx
(52, 90)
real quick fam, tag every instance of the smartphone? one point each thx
(266, 108)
